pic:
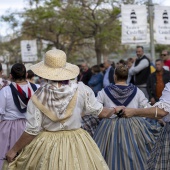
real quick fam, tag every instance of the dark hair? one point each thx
(121, 61)
(101, 65)
(159, 59)
(63, 82)
(96, 68)
(139, 46)
(130, 60)
(18, 71)
(121, 72)
(0, 67)
(30, 74)
(113, 64)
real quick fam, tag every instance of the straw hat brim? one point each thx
(68, 72)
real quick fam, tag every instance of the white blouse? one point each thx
(164, 102)
(139, 100)
(8, 109)
(86, 103)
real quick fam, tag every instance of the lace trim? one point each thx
(88, 103)
(38, 118)
(163, 105)
(90, 108)
(166, 107)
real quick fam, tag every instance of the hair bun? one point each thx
(121, 72)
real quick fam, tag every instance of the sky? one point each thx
(165, 2)
(18, 5)
(11, 4)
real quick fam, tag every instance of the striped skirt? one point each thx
(10, 131)
(125, 143)
(159, 158)
(62, 150)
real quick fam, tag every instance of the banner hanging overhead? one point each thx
(162, 24)
(134, 24)
(29, 50)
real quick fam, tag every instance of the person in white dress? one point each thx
(53, 138)
(125, 143)
(14, 99)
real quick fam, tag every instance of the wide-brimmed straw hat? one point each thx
(55, 67)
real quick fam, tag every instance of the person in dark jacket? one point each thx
(156, 81)
(140, 70)
(96, 81)
(85, 74)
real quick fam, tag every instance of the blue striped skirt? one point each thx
(126, 143)
(159, 158)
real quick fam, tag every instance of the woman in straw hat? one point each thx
(14, 99)
(53, 138)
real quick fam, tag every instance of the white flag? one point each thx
(134, 24)
(29, 50)
(162, 24)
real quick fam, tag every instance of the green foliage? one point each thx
(159, 48)
(73, 24)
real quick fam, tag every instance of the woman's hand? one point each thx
(129, 112)
(10, 155)
(108, 112)
(119, 108)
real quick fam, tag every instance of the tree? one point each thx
(10, 52)
(70, 26)
(99, 25)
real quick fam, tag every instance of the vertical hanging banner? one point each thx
(29, 50)
(162, 24)
(134, 24)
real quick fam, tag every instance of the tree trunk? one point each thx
(98, 56)
(98, 52)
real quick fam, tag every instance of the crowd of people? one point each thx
(110, 116)
(141, 72)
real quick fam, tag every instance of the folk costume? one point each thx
(14, 99)
(54, 116)
(159, 157)
(125, 143)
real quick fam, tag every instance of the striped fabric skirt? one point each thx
(10, 131)
(125, 143)
(159, 158)
(62, 150)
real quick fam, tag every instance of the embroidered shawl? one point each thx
(121, 95)
(54, 101)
